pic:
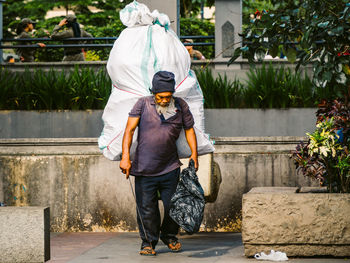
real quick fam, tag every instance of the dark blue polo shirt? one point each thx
(156, 151)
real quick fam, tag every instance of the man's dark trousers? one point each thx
(146, 188)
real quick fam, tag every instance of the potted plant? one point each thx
(326, 155)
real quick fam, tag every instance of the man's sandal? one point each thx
(147, 251)
(174, 245)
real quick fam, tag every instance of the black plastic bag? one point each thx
(187, 203)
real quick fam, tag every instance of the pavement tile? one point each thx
(67, 246)
(124, 247)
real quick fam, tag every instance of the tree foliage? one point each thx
(308, 31)
(191, 8)
(15, 10)
(198, 27)
(252, 6)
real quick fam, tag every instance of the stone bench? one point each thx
(297, 223)
(25, 234)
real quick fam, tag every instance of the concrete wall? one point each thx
(218, 122)
(85, 191)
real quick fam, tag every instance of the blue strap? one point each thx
(166, 26)
(148, 51)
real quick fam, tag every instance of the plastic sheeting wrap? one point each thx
(146, 46)
(187, 204)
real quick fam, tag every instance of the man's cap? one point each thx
(189, 40)
(71, 18)
(26, 21)
(163, 81)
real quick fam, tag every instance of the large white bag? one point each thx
(148, 45)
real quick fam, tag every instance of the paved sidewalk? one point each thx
(124, 247)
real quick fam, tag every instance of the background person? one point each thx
(72, 29)
(194, 54)
(24, 28)
(156, 166)
(10, 59)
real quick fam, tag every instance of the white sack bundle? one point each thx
(146, 46)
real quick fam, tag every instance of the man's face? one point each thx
(30, 27)
(163, 98)
(188, 47)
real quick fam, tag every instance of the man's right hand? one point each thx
(125, 165)
(63, 22)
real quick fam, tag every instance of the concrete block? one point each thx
(25, 234)
(228, 24)
(299, 224)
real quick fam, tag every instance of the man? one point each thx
(73, 30)
(23, 29)
(156, 166)
(194, 54)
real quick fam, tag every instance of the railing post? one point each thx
(178, 18)
(228, 23)
(1, 17)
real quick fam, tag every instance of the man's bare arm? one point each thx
(192, 142)
(125, 163)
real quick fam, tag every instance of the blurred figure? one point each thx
(10, 59)
(195, 54)
(72, 30)
(24, 28)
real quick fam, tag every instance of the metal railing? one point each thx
(87, 39)
(66, 44)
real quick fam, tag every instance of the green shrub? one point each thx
(83, 88)
(78, 89)
(269, 87)
(219, 92)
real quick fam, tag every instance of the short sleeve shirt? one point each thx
(156, 152)
(26, 53)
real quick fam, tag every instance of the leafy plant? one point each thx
(91, 55)
(253, 6)
(219, 92)
(326, 155)
(269, 87)
(190, 8)
(78, 89)
(310, 31)
(84, 88)
(36, 10)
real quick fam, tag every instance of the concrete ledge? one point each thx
(87, 192)
(88, 123)
(299, 224)
(25, 234)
